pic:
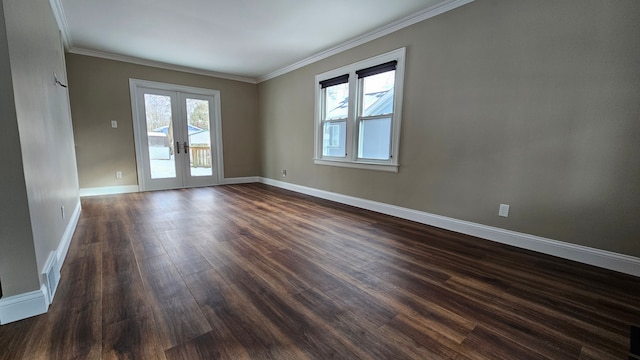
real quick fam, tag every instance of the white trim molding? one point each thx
(61, 19)
(26, 305)
(22, 306)
(358, 165)
(63, 247)
(126, 189)
(587, 255)
(437, 9)
(425, 14)
(50, 276)
(241, 180)
(158, 64)
(109, 190)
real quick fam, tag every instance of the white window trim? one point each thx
(352, 160)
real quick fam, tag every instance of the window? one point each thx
(335, 116)
(358, 107)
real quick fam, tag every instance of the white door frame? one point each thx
(140, 133)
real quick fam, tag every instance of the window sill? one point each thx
(358, 165)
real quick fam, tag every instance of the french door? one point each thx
(177, 135)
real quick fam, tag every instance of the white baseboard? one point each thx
(241, 180)
(63, 247)
(22, 306)
(109, 190)
(50, 276)
(601, 258)
(112, 190)
(61, 252)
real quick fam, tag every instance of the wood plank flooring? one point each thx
(255, 272)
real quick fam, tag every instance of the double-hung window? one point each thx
(358, 108)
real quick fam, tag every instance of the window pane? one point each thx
(334, 139)
(160, 136)
(336, 102)
(377, 98)
(199, 137)
(375, 139)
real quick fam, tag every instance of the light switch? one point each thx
(114, 124)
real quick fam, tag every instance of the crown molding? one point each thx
(63, 25)
(372, 35)
(158, 64)
(422, 15)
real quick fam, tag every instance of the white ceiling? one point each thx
(248, 39)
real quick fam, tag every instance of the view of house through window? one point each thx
(199, 137)
(160, 136)
(358, 117)
(159, 121)
(177, 132)
(376, 113)
(335, 120)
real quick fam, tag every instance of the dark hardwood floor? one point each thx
(256, 272)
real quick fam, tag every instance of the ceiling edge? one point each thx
(58, 12)
(158, 64)
(372, 35)
(61, 19)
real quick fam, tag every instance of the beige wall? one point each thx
(38, 129)
(99, 91)
(18, 272)
(532, 104)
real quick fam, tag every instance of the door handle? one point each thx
(186, 148)
(177, 147)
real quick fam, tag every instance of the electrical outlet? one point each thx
(504, 210)
(118, 174)
(62, 212)
(114, 124)
(284, 172)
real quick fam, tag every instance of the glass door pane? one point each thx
(159, 126)
(199, 134)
